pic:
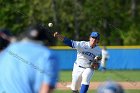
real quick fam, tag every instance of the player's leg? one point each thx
(76, 78)
(76, 83)
(86, 77)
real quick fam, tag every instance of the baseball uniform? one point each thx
(82, 71)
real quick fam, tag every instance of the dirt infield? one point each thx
(94, 85)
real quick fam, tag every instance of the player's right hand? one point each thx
(59, 36)
(55, 34)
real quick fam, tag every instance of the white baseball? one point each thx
(50, 24)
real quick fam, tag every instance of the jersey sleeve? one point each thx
(73, 44)
(51, 70)
(68, 42)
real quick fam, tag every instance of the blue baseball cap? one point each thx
(95, 35)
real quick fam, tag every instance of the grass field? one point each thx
(94, 91)
(119, 75)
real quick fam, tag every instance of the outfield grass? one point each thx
(94, 91)
(120, 75)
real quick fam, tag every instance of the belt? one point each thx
(80, 66)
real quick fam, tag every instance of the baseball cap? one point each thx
(5, 35)
(38, 32)
(95, 35)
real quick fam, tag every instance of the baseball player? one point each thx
(88, 57)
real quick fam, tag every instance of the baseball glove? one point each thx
(95, 64)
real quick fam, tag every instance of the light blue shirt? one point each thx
(24, 66)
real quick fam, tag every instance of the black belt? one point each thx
(80, 66)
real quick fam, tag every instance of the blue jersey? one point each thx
(24, 66)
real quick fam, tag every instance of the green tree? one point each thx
(115, 20)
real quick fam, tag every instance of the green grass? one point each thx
(120, 75)
(94, 91)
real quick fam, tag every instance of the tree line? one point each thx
(117, 21)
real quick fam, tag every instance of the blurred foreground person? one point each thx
(28, 66)
(6, 38)
(110, 87)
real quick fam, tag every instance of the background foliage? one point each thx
(117, 21)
